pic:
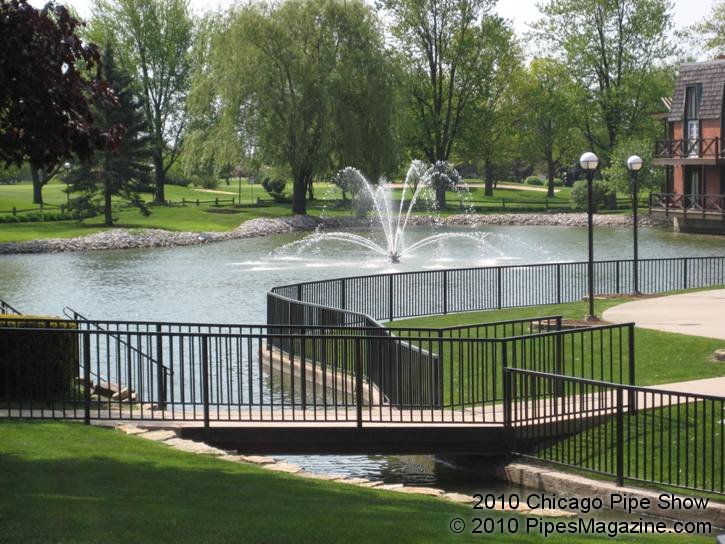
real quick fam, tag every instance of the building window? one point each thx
(692, 122)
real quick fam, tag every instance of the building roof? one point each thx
(711, 75)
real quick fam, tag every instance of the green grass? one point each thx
(64, 482)
(661, 357)
(206, 217)
(649, 447)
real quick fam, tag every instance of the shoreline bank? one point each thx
(122, 238)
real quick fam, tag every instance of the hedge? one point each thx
(37, 366)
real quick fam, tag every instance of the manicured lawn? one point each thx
(63, 482)
(661, 357)
(207, 217)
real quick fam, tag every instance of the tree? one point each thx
(613, 48)
(548, 102)
(618, 177)
(302, 84)
(151, 40)
(440, 49)
(124, 171)
(489, 135)
(48, 75)
(712, 28)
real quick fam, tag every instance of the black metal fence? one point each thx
(633, 433)
(205, 372)
(7, 309)
(409, 294)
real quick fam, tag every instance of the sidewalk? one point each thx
(697, 314)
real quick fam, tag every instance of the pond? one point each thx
(227, 282)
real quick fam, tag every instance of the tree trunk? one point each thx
(160, 175)
(107, 210)
(38, 175)
(310, 191)
(441, 196)
(299, 203)
(488, 179)
(550, 190)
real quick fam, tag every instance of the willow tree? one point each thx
(300, 85)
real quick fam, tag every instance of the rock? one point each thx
(257, 459)
(354, 481)
(459, 498)
(159, 436)
(284, 467)
(428, 491)
(719, 355)
(194, 447)
(390, 487)
(375, 483)
(123, 394)
(130, 429)
(120, 238)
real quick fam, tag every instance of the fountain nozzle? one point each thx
(394, 257)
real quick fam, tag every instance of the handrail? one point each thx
(72, 314)
(6, 308)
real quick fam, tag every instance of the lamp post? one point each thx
(634, 163)
(589, 162)
(66, 166)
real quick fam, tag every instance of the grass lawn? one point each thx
(662, 357)
(63, 482)
(206, 217)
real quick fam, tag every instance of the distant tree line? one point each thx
(143, 93)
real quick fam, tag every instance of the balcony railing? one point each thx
(681, 203)
(695, 148)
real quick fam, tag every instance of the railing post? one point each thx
(445, 291)
(343, 294)
(558, 357)
(507, 386)
(299, 292)
(358, 382)
(391, 315)
(632, 400)
(87, 378)
(160, 375)
(303, 368)
(499, 290)
(558, 283)
(684, 273)
(205, 379)
(620, 438)
(616, 278)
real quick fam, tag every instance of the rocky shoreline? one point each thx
(147, 238)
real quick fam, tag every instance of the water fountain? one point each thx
(420, 181)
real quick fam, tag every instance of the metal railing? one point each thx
(361, 300)
(7, 309)
(706, 148)
(695, 205)
(238, 373)
(639, 434)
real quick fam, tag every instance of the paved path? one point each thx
(697, 314)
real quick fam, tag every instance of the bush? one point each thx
(558, 182)
(534, 180)
(602, 195)
(39, 366)
(36, 217)
(181, 181)
(275, 188)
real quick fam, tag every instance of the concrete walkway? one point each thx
(697, 314)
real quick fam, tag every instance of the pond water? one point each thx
(227, 282)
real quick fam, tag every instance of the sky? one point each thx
(520, 12)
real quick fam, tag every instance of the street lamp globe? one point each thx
(589, 161)
(634, 163)
(67, 167)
